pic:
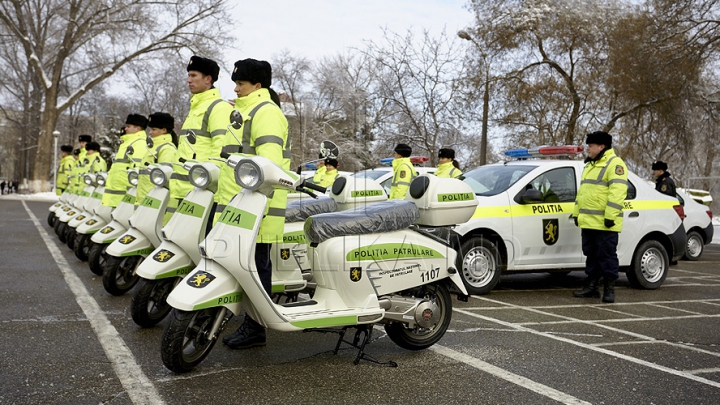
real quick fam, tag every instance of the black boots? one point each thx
(590, 290)
(249, 334)
(609, 291)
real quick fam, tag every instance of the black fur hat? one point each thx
(446, 153)
(205, 66)
(84, 138)
(660, 165)
(161, 120)
(137, 119)
(403, 150)
(332, 162)
(66, 148)
(253, 71)
(599, 138)
(93, 146)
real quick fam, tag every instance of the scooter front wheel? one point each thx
(97, 256)
(70, 235)
(51, 219)
(60, 229)
(438, 307)
(82, 246)
(149, 304)
(188, 338)
(119, 274)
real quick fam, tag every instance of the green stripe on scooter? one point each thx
(323, 322)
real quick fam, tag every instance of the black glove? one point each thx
(609, 223)
(575, 219)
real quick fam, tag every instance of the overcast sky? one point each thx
(316, 28)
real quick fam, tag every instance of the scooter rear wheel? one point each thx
(119, 274)
(421, 338)
(97, 257)
(149, 304)
(187, 338)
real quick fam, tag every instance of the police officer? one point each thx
(403, 172)
(264, 133)
(67, 162)
(331, 173)
(95, 162)
(208, 118)
(663, 182)
(598, 211)
(79, 170)
(164, 150)
(320, 172)
(448, 166)
(117, 180)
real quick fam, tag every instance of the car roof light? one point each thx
(544, 151)
(416, 160)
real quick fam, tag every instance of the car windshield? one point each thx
(494, 179)
(370, 174)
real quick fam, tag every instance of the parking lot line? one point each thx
(507, 376)
(589, 346)
(139, 388)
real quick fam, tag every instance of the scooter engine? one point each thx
(427, 314)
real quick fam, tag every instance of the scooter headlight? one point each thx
(248, 175)
(199, 176)
(88, 179)
(157, 177)
(100, 178)
(133, 177)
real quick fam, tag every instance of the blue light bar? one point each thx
(518, 153)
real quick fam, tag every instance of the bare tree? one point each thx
(74, 45)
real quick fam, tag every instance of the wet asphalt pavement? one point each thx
(67, 341)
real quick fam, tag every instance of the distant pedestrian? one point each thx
(663, 182)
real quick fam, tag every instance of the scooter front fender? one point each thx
(91, 226)
(68, 215)
(168, 260)
(79, 219)
(109, 233)
(55, 206)
(208, 285)
(131, 243)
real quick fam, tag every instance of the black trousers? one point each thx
(600, 248)
(264, 265)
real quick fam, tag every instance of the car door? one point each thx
(544, 228)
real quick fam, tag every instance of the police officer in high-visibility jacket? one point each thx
(403, 172)
(264, 133)
(208, 118)
(79, 171)
(94, 161)
(448, 166)
(331, 173)
(164, 151)
(117, 180)
(66, 166)
(320, 172)
(598, 212)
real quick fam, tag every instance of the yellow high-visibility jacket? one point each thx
(328, 178)
(117, 180)
(319, 173)
(96, 163)
(166, 152)
(448, 170)
(403, 174)
(264, 133)
(209, 117)
(603, 188)
(65, 168)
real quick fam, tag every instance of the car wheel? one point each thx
(479, 263)
(649, 267)
(695, 246)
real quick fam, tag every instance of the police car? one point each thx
(383, 174)
(698, 224)
(523, 222)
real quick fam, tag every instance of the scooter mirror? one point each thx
(236, 119)
(328, 149)
(149, 141)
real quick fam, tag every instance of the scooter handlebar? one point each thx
(315, 187)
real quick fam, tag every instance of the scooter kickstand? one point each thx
(366, 332)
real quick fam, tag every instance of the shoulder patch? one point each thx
(663, 188)
(619, 170)
(402, 174)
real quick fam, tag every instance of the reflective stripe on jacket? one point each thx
(264, 133)
(448, 170)
(166, 152)
(208, 118)
(603, 188)
(117, 180)
(403, 174)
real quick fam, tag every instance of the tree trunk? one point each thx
(40, 179)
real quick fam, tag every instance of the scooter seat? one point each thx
(387, 216)
(300, 210)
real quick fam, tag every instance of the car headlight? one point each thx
(88, 179)
(248, 175)
(157, 177)
(100, 178)
(199, 176)
(133, 177)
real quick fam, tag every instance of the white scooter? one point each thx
(369, 268)
(75, 209)
(96, 180)
(100, 216)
